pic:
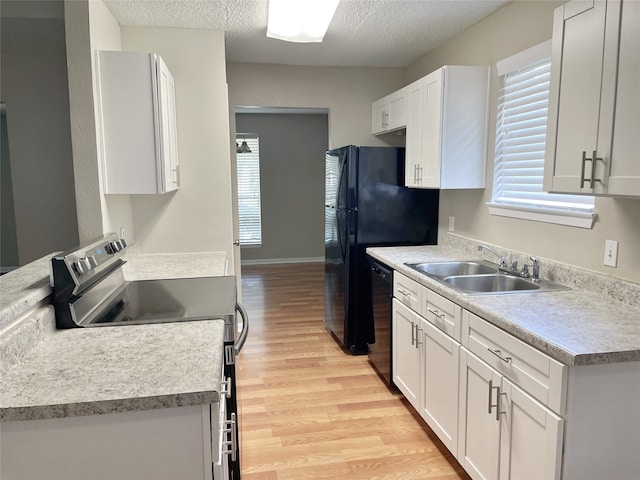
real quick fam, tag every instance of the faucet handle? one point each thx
(514, 265)
(535, 267)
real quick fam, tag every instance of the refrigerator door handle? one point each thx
(341, 233)
(341, 180)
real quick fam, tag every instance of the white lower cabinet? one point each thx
(504, 433)
(406, 354)
(439, 389)
(505, 409)
(479, 432)
(426, 359)
(530, 437)
(161, 444)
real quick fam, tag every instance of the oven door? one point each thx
(232, 439)
(219, 434)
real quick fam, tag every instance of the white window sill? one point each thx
(571, 219)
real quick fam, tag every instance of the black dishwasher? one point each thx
(381, 294)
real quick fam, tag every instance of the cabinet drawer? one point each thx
(442, 313)
(407, 291)
(538, 374)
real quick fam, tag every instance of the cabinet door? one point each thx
(168, 129)
(574, 98)
(624, 177)
(441, 362)
(432, 129)
(479, 430)
(397, 109)
(531, 437)
(406, 352)
(414, 165)
(379, 112)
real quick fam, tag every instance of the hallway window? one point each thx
(248, 177)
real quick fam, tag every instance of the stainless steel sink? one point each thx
(472, 277)
(496, 283)
(450, 269)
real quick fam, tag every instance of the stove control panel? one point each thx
(115, 246)
(84, 262)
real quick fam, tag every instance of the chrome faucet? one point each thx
(503, 261)
(511, 267)
(535, 269)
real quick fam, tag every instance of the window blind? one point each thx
(249, 205)
(521, 129)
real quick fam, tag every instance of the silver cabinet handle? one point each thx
(500, 412)
(418, 342)
(225, 387)
(584, 161)
(594, 158)
(413, 333)
(497, 404)
(498, 354)
(229, 447)
(437, 313)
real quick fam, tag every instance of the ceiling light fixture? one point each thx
(243, 147)
(301, 21)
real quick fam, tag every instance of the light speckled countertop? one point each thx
(22, 289)
(573, 326)
(174, 265)
(49, 373)
(87, 371)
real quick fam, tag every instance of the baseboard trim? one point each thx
(270, 261)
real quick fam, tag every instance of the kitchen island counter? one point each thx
(573, 326)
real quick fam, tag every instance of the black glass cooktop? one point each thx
(172, 300)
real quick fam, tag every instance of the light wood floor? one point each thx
(309, 410)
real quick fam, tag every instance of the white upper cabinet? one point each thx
(447, 129)
(137, 119)
(593, 135)
(389, 113)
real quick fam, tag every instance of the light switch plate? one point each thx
(452, 223)
(611, 253)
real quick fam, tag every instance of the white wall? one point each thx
(198, 217)
(346, 92)
(90, 27)
(516, 27)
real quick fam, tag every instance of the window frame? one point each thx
(530, 210)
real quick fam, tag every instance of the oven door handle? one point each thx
(245, 328)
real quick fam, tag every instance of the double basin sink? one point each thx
(478, 277)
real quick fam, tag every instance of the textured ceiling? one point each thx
(378, 33)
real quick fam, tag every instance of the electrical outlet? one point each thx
(611, 253)
(121, 232)
(452, 223)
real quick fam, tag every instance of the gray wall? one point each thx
(292, 149)
(34, 88)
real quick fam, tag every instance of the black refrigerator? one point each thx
(367, 204)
